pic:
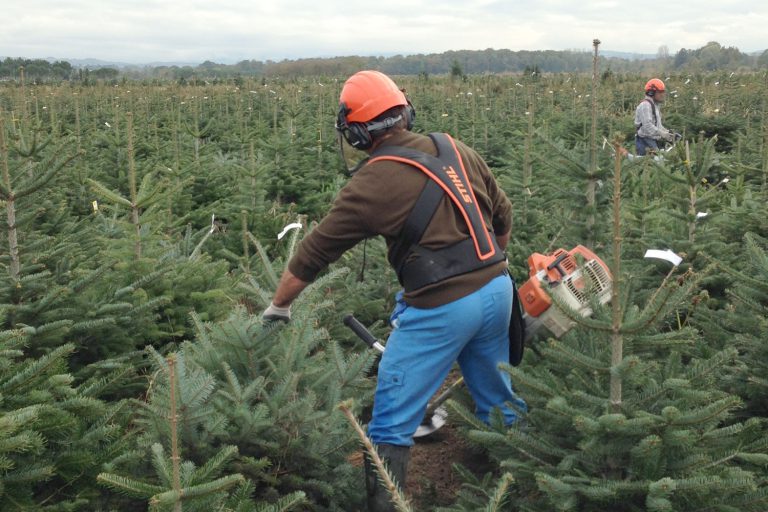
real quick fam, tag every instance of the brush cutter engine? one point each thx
(559, 277)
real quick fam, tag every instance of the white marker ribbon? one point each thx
(286, 229)
(667, 255)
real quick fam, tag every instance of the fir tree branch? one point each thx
(109, 195)
(128, 485)
(37, 369)
(401, 504)
(499, 498)
(176, 497)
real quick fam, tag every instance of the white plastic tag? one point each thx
(286, 229)
(667, 255)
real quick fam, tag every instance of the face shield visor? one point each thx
(352, 158)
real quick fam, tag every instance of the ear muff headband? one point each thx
(358, 135)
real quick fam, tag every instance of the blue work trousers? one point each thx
(422, 349)
(645, 144)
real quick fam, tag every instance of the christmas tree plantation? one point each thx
(139, 246)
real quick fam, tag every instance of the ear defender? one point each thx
(410, 113)
(356, 134)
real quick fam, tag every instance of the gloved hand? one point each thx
(274, 314)
(669, 136)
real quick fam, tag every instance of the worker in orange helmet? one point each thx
(649, 132)
(446, 223)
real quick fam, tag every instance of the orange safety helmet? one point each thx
(366, 94)
(653, 85)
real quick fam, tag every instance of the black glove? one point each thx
(275, 314)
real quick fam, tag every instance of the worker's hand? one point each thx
(275, 314)
(669, 136)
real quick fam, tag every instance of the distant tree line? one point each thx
(35, 69)
(710, 57)
(42, 70)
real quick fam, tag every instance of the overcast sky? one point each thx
(227, 31)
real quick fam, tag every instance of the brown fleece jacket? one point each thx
(377, 201)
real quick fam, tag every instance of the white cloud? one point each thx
(153, 30)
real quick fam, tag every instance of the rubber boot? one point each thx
(396, 460)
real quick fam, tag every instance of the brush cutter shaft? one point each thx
(445, 395)
(363, 333)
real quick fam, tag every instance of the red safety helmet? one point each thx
(654, 85)
(367, 94)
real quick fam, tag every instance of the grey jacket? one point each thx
(644, 120)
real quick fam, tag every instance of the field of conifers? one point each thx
(139, 246)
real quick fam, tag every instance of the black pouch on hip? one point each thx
(516, 329)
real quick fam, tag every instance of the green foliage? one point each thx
(194, 181)
(278, 390)
(68, 277)
(488, 493)
(270, 391)
(740, 320)
(35, 69)
(623, 413)
(54, 434)
(180, 482)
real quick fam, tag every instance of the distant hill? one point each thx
(628, 55)
(98, 63)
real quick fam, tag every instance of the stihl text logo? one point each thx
(459, 185)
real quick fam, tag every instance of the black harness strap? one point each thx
(653, 111)
(416, 224)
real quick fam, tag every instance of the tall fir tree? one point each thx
(624, 415)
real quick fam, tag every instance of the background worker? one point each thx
(442, 316)
(649, 132)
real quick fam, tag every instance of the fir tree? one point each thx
(739, 321)
(55, 434)
(52, 288)
(623, 416)
(271, 392)
(181, 482)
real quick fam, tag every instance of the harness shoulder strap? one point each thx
(424, 208)
(447, 175)
(653, 112)
(422, 212)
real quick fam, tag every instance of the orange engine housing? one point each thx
(550, 268)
